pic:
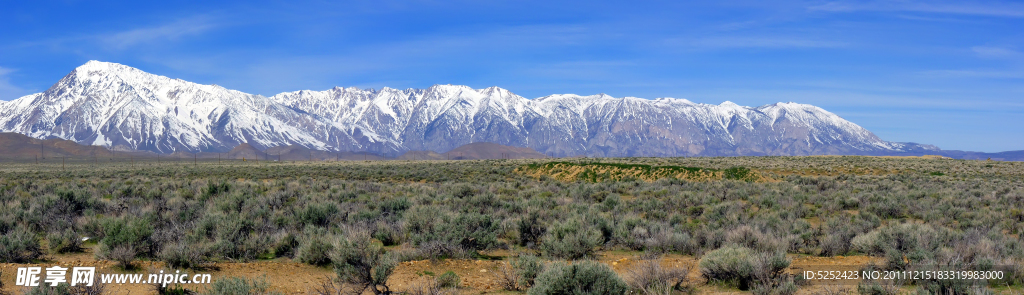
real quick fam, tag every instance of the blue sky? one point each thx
(949, 73)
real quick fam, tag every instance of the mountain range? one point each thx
(126, 109)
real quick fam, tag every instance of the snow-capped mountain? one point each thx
(121, 107)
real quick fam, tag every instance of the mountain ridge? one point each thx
(124, 108)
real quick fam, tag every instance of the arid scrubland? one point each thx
(741, 218)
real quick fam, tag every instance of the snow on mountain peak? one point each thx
(120, 106)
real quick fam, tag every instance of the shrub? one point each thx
(285, 246)
(315, 249)
(528, 267)
(472, 231)
(97, 288)
(874, 287)
(389, 233)
(237, 285)
(838, 239)
(520, 273)
(901, 243)
(506, 277)
(317, 214)
(64, 241)
(184, 255)
(46, 289)
(236, 238)
(123, 255)
(64, 289)
(435, 250)
(572, 240)
(448, 279)
(469, 231)
(361, 262)
(213, 189)
(665, 239)
(19, 246)
(769, 274)
(175, 289)
(737, 173)
(785, 288)
(730, 263)
(750, 238)
(430, 288)
(420, 222)
(124, 239)
(585, 277)
(649, 277)
(531, 229)
(762, 271)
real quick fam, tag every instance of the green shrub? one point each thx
(572, 239)
(902, 243)
(746, 268)
(361, 262)
(46, 289)
(471, 231)
(388, 233)
(213, 189)
(838, 238)
(729, 264)
(420, 221)
(124, 239)
(235, 238)
(64, 289)
(19, 246)
(238, 285)
(584, 277)
(748, 237)
(317, 214)
(527, 267)
(737, 173)
(531, 229)
(650, 278)
(878, 287)
(64, 241)
(174, 289)
(315, 249)
(520, 273)
(448, 279)
(184, 255)
(435, 250)
(285, 246)
(768, 275)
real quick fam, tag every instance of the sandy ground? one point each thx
(478, 276)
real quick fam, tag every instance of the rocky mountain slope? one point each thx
(124, 108)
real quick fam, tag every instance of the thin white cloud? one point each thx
(974, 74)
(763, 42)
(166, 32)
(999, 9)
(9, 91)
(995, 52)
(124, 39)
(268, 73)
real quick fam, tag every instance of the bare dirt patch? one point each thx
(477, 276)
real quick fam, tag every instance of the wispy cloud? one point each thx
(1001, 9)
(995, 52)
(165, 32)
(9, 91)
(763, 42)
(123, 39)
(974, 74)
